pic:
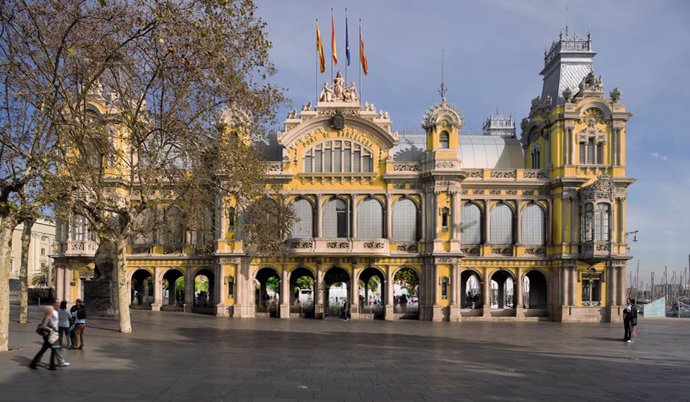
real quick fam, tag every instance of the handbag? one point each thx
(42, 330)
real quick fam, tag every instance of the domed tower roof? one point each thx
(235, 116)
(442, 114)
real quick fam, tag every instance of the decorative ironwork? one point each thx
(470, 250)
(535, 251)
(373, 244)
(337, 244)
(410, 248)
(406, 167)
(503, 174)
(301, 244)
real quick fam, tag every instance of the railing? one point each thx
(339, 245)
(79, 248)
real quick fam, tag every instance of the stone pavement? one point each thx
(186, 357)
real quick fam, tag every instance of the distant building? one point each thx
(482, 227)
(40, 262)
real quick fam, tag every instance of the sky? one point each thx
(493, 53)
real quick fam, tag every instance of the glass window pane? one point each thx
(471, 224)
(369, 220)
(347, 162)
(317, 161)
(302, 227)
(337, 166)
(532, 224)
(356, 161)
(404, 220)
(501, 224)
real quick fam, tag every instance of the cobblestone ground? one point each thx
(186, 357)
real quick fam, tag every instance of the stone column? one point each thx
(518, 227)
(486, 295)
(284, 293)
(455, 296)
(319, 294)
(455, 222)
(389, 312)
(157, 290)
(219, 292)
(188, 291)
(355, 292)
(423, 224)
(519, 306)
(355, 227)
(389, 218)
(319, 216)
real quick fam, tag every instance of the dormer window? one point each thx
(444, 139)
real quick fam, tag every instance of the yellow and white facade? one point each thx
(492, 226)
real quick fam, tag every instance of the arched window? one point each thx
(444, 139)
(369, 219)
(338, 156)
(602, 216)
(536, 157)
(532, 224)
(501, 224)
(586, 223)
(144, 225)
(173, 229)
(405, 220)
(471, 225)
(335, 219)
(303, 224)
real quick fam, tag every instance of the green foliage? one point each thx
(201, 283)
(408, 279)
(305, 282)
(273, 283)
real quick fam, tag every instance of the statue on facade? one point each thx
(339, 91)
(339, 87)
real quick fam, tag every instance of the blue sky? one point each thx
(494, 51)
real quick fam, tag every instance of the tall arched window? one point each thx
(405, 220)
(501, 224)
(335, 219)
(586, 222)
(173, 229)
(532, 224)
(444, 139)
(144, 224)
(302, 227)
(369, 219)
(471, 225)
(602, 216)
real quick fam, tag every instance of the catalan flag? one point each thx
(362, 55)
(319, 49)
(335, 52)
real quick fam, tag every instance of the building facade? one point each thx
(437, 225)
(40, 267)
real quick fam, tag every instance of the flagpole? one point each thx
(332, 34)
(316, 72)
(361, 90)
(347, 48)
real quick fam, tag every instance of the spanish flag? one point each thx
(335, 53)
(319, 49)
(362, 55)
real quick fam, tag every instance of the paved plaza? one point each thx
(186, 357)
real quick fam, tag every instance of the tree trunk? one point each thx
(122, 295)
(24, 272)
(6, 228)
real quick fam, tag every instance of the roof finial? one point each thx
(566, 19)
(442, 90)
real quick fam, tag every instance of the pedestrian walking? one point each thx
(346, 312)
(64, 318)
(633, 317)
(80, 325)
(51, 340)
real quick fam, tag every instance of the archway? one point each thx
(502, 290)
(371, 292)
(336, 291)
(534, 293)
(266, 292)
(173, 290)
(302, 293)
(405, 293)
(471, 290)
(141, 289)
(204, 298)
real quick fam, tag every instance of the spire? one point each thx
(566, 63)
(442, 89)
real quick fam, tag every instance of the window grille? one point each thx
(501, 224)
(471, 225)
(404, 220)
(532, 222)
(369, 219)
(335, 222)
(303, 224)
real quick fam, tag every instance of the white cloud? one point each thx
(656, 155)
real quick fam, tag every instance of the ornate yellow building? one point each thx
(490, 226)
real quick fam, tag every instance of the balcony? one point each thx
(593, 250)
(339, 246)
(79, 248)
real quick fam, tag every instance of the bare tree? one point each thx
(137, 89)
